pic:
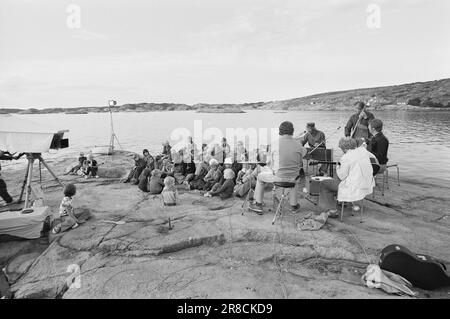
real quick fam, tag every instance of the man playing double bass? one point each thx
(358, 125)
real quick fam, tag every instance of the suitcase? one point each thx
(422, 271)
(313, 184)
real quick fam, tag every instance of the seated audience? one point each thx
(144, 179)
(378, 144)
(77, 167)
(167, 168)
(196, 180)
(245, 180)
(224, 190)
(139, 165)
(90, 167)
(169, 192)
(285, 160)
(354, 178)
(240, 152)
(156, 184)
(149, 159)
(214, 175)
(166, 151)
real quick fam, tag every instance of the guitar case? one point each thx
(422, 271)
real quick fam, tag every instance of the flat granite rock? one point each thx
(134, 247)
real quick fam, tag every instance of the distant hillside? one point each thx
(419, 94)
(431, 94)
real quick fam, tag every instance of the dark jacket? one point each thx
(378, 146)
(156, 185)
(226, 190)
(363, 126)
(143, 179)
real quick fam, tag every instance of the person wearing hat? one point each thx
(358, 125)
(284, 161)
(315, 138)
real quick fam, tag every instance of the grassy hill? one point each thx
(431, 94)
(419, 94)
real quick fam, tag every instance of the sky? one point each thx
(57, 53)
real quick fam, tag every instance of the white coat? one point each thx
(355, 173)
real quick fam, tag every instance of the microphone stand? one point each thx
(310, 152)
(315, 148)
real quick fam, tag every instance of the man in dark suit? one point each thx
(378, 144)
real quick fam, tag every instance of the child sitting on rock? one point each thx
(155, 185)
(66, 211)
(226, 189)
(169, 193)
(90, 167)
(77, 167)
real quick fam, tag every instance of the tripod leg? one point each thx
(40, 173)
(115, 136)
(24, 182)
(28, 186)
(50, 171)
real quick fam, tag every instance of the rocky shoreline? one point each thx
(133, 247)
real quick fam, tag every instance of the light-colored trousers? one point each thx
(268, 177)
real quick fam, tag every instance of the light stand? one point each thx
(112, 103)
(26, 187)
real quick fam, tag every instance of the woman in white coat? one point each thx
(355, 178)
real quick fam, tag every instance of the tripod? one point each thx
(113, 134)
(26, 187)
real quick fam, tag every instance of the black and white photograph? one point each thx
(223, 155)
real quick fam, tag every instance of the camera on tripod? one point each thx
(58, 141)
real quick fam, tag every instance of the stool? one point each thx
(386, 177)
(287, 187)
(387, 174)
(246, 200)
(360, 210)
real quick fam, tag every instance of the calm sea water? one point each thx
(419, 140)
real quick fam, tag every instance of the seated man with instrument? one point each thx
(315, 139)
(355, 178)
(313, 136)
(284, 161)
(358, 125)
(378, 144)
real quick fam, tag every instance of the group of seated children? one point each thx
(161, 174)
(87, 167)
